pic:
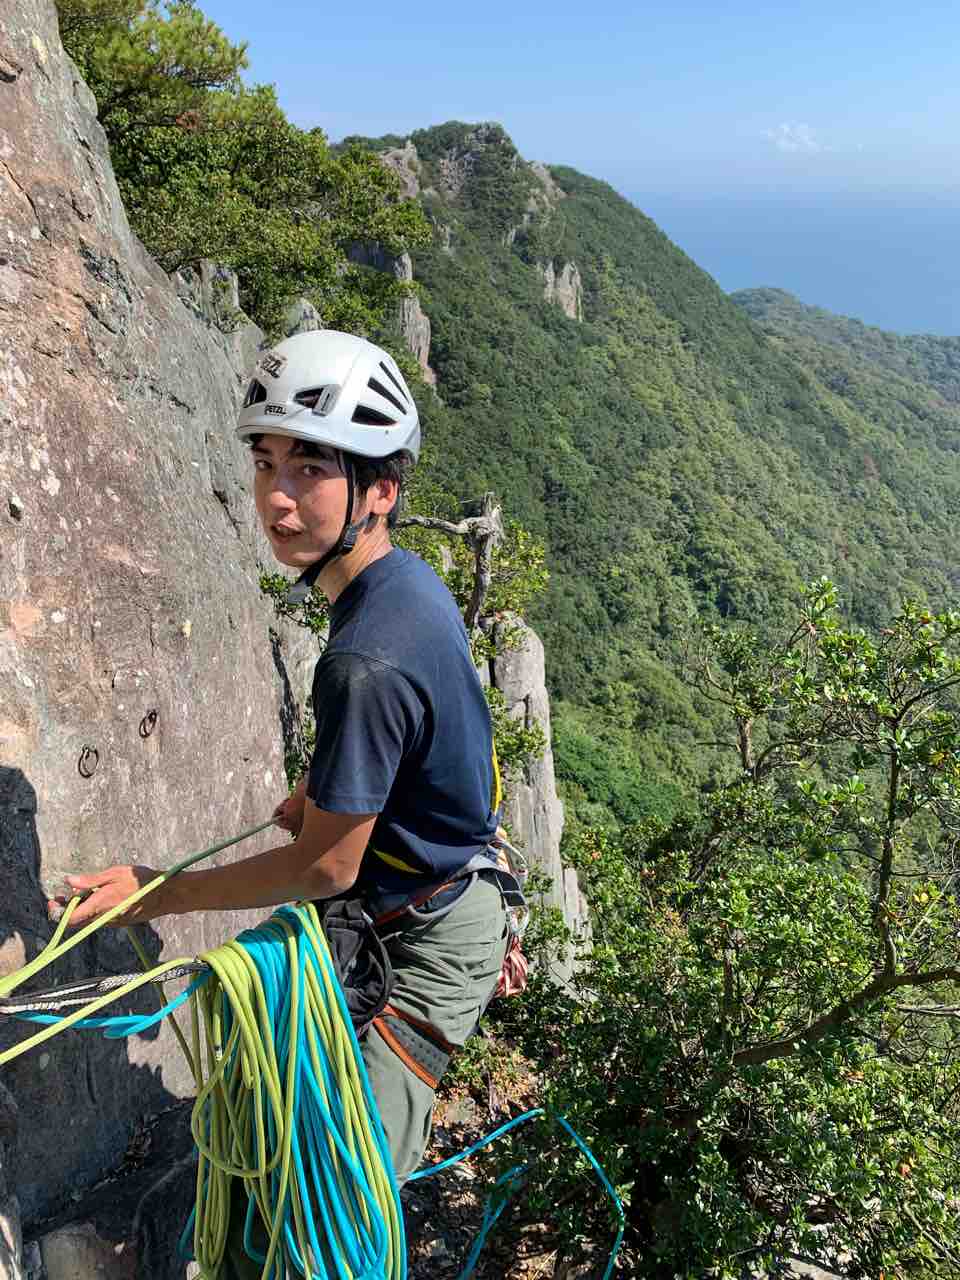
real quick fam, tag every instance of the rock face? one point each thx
(129, 1226)
(415, 328)
(564, 287)
(139, 718)
(553, 192)
(301, 316)
(533, 810)
(413, 321)
(405, 163)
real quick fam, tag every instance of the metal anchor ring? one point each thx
(149, 722)
(89, 761)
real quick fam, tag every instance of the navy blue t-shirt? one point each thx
(403, 727)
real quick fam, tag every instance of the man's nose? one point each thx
(280, 494)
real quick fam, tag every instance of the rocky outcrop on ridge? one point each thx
(532, 809)
(564, 287)
(405, 163)
(412, 320)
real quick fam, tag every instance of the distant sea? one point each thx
(894, 263)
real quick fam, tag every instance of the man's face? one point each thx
(301, 501)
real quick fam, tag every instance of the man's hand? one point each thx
(289, 813)
(107, 889)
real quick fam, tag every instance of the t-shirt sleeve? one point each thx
(368, 717)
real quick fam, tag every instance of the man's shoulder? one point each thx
(404, 619)
(415, 570)
(359, 679)
(407, 591)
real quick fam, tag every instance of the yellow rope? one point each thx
(282, 1103)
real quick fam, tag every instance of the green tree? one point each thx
(762, 1043)
(148, 66)
(209, 168)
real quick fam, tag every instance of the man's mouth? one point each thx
(284, 535)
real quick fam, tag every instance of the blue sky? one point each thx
(815, 147)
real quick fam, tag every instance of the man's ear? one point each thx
(383, 496)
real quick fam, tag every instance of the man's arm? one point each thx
(323, 861)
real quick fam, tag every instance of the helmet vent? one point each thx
(364, 416)
(255, 393)
(399, 385)
(312, 396)
(381, 390)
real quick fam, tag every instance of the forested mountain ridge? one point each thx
(920, 357)
(681, 462)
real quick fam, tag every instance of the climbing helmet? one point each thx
(335, 389)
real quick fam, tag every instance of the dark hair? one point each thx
(366, 471)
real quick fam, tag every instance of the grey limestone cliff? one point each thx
(141, 697)
(533, 811)
(564, 287)
(405, 163)
(412, 320)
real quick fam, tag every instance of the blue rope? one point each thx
(476, 1146)
(365, 1253)
(607, 1186)
(490, 1215)
(118, 1027)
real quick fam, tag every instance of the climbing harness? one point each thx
(284, 1105)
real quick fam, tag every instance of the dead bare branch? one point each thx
(482, 532)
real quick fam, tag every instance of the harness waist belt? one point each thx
(387, 907)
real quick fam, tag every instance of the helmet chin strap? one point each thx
(343, 545)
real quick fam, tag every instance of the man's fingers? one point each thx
(91, 907)
(86, 911)
(92, 881)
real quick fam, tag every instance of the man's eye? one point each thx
(312, 469)
(261, 464)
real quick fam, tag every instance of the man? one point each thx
(401, 795)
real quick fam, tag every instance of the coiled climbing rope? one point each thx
(283, 1106)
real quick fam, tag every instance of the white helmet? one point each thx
(336, 389)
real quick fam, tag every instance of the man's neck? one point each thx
(373, 544)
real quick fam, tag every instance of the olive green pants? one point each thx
(445, 973)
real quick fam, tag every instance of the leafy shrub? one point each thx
(761, 1044)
